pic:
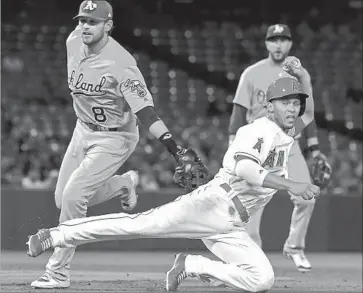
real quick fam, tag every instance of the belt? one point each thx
(95, 127)
(241, 209)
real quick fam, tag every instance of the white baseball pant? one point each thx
(206, 213)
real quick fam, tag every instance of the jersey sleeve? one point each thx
(133, 88)
(76, 33)
(252, 142)
(243, 94)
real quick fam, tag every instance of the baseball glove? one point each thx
(190, 172)
(321, 171)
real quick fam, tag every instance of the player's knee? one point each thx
(58, 199)
(264, 281)
(305, 204)
(257, 279)
(72, 201)
(58, 202)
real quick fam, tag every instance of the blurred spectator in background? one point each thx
(148, 179)
(12, 63)
(347, 168)
(35, 180)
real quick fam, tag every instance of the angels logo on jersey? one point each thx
(258, 144)
(136, 86)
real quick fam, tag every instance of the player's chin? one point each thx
(278, 57)
(289, 123)
(87, 39)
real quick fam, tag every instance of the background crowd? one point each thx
(191, 67)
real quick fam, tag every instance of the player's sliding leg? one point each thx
(302, 212)
(242, 264)
(189, 216)
(119, 184)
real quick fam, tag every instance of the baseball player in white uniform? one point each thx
(250, 103)
(109, 97)
(254, 168)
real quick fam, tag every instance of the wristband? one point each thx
(167, 140)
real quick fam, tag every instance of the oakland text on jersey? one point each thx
(86, 88)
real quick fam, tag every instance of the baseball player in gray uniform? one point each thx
(109, 96)
(250, 103)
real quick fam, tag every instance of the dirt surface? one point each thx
(145, 272)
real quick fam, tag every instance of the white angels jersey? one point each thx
(107, 88)
(266, 143)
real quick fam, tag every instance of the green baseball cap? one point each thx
(278, 30)
(96, 9)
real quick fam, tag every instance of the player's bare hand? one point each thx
(292, 66)
(306, 190)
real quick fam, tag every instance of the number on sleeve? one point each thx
(99, 114)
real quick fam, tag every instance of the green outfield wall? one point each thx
(336, 224)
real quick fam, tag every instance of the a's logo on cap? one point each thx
(90, 6)
(278, 29)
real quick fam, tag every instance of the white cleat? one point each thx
(176, 274)
(300, 260)
(129, 197)
(48, 282)
(39, 242)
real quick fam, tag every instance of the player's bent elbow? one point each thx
(251, 171)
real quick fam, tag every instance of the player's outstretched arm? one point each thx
(255, 174)
(190, 172)
(305, 190)
(132, 87)
(159, 130)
